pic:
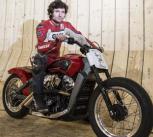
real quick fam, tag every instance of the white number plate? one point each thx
(95, 57)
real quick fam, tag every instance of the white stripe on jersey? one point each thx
(43, 46)
(51, 36)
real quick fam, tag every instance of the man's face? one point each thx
(59, 14)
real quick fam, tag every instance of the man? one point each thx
(50, 34)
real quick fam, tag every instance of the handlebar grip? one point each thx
(70, 40)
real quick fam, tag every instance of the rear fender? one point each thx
(24, 73)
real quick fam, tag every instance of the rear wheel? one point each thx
(11, 99)
(131, 119)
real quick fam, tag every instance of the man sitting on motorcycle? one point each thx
(50, 34)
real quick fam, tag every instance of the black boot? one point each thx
(41, 106)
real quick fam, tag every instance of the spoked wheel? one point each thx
(130, 117)
(12, 99)
(127, 119)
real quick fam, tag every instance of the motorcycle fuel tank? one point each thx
(69, 64)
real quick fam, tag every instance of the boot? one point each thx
(41, 106)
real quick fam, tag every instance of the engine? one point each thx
(57, 90)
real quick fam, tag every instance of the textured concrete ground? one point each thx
(32, 126)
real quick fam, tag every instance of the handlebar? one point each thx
(83, 48)
(71, 40)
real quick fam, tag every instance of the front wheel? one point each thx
(134, 116)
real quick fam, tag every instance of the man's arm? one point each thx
(72, 32)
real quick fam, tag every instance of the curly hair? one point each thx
(55, 5)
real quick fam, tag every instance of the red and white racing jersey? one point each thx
(46, 33)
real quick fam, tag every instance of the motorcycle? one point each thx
(74, 89)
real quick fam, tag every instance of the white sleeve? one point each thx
(78, 37)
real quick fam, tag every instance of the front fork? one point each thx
(104, 92)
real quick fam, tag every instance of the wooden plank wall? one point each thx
(124, 27)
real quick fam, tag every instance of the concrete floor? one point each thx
(32, 126)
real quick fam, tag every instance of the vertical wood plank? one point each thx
(108, 29)
(17, 36)
(2, 24)
(95, 21)
(8, 36)
(121, 39)
(46, 4)
(135, 61)
(147, 78)
(27, 33)
(72, 12)
(83, 17)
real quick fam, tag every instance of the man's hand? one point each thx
(61, 37)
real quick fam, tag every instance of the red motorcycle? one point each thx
(115, 107)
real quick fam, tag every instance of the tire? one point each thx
(18, 113)
(143, 103)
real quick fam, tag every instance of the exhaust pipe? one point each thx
(27, 100)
